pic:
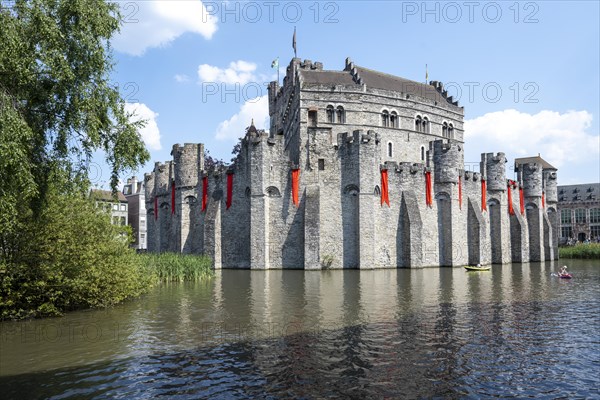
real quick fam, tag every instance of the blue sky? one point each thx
(527, 73)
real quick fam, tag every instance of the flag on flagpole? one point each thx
(426, 74)
(275, 63)
(294, 43)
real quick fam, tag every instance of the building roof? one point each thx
(380, 80)
(579, 192)
(537, 159)
(107, 195)
(373, 79)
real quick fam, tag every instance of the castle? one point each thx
(360, 169)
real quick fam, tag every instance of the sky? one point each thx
(527, 73)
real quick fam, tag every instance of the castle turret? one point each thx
(494, 171)
(531, 175)
(150, 219)
(448, 161)
(162, 186)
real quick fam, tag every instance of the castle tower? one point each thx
(448, 160)
(531, 175)
(150, 220)
(493, 168)
(551, 220)
(162, 187)
(188, 161)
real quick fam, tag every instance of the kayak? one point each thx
(565, 276)
(476, 268)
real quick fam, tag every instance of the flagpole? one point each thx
(426, 74)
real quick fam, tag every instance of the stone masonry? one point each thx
(343, 130)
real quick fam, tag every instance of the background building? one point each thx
(134, 192)
(579, 207)
(117, 207)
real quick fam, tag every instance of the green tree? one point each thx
(57, 108)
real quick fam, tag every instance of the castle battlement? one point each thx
(359, 169)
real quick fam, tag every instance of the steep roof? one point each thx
(380, 80)
(107, 195)
(579, 192)
(327, 77)
(537, 159)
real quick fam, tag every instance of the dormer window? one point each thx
(385, 118)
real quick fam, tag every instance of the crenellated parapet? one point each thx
(188, 160)
(550, 185)
(531, 174)
(447, 160)
(493, 167)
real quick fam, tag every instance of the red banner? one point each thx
(511, 210)
(295, 185)
(483, 195)
(522, 200)
(155, 208)
(204, 192)
(229, 190)
(460, 192)
(385, 197)
(543, 199)
(428, 196)
(173, 197)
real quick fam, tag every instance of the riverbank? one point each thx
(174, 267)
(582, 250)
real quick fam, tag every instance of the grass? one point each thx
(173, 267)
(581, 250)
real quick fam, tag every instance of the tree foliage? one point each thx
(57, 108)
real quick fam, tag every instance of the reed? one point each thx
(173, 267)
(581, 250)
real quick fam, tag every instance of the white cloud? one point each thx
(150, 24)
(181, 78)
(150, 133)
(234, 127)
(240, 72)
(561, 139)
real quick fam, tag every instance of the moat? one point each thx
(514, 331)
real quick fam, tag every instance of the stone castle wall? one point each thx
(340, 221)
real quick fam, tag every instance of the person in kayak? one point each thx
(563, 271)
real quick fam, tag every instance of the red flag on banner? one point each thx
(295, 183)
(173, 196)
(155, 208)
(229, 190)
(543, 199)
(428, 196)
(204, 192)
(385, 198)
(511, 210)
(522, 200)
(483, 195)
(460, 192)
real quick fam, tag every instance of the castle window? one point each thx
(565, 216)
(341, 115)
(385, 118)
(445, 129)
(390, 149)
(418, 123)
(580, 216)
(595, 231)
(321, 164)
(330, 115)
(450, 131)
(425, 125)
(594, 215)
(394, 119)
(422, 153)
(312, 118)
(566, 232)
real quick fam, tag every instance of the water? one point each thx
(515, 331)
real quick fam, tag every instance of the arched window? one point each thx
(422, 153)
(390, 149)
(330, 115)
(385, 118)
(425, 125)
(394, 119)
(341, 115)
(445, 129)
(418, 124)
(451, 131)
